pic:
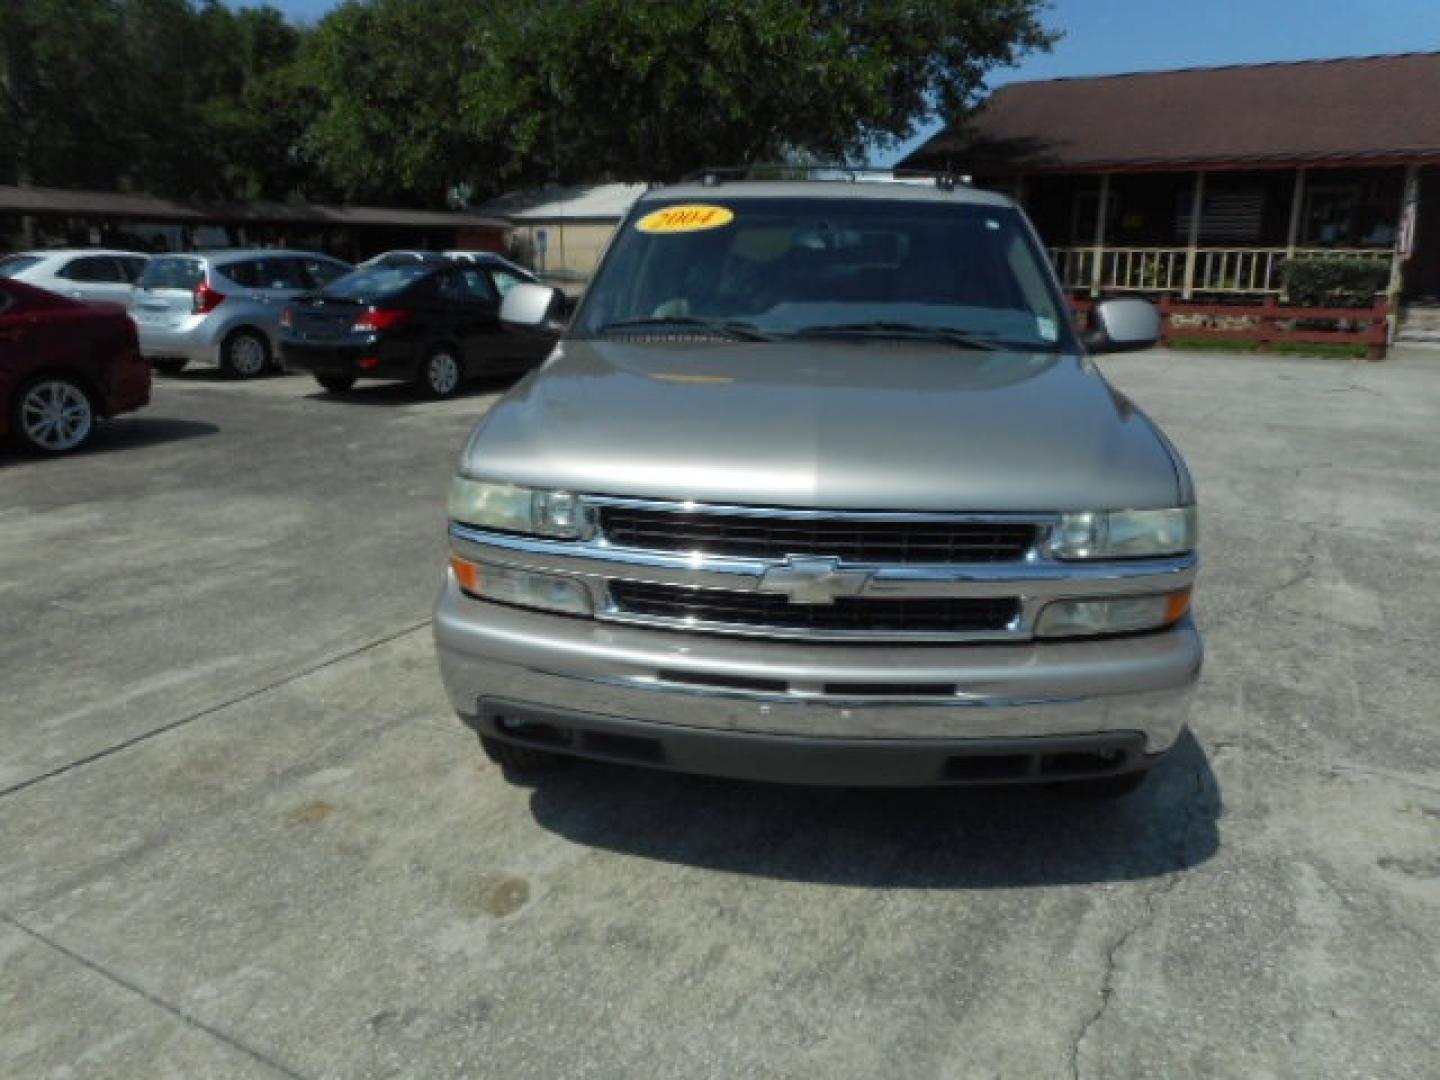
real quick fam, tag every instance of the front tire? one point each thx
(53, 415)
(245, 355)
(336, 384)
(440, 374)
(519, 758)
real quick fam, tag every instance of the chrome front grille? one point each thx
(720, 607)
(819, 575)
(853, 539)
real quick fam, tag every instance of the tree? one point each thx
(393, 125)
(651, 89)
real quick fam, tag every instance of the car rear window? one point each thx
(170, 272)
(373, 281)
(11, 265)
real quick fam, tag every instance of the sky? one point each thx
(1108, 36)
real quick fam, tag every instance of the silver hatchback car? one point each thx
(222, 308)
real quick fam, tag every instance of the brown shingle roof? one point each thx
(38, 200)
(1378, 107)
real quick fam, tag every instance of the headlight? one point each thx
(1127, 615)
(1124, 534)
(507, 508)
(547, 592)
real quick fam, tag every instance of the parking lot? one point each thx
(241, 833)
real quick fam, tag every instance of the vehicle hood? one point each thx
(871, 425)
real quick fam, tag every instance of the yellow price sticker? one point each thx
(691, 217)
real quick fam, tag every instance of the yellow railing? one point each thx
(1239, 271)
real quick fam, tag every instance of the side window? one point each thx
(282, 273)
(246, 273)
(320, 272)
(92, 268)
(479, 286)
(132, 268)
(452, 286)
(505, 281)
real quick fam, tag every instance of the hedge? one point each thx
(1334, 282)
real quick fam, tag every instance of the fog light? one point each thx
(1126, 615)
(545, 592)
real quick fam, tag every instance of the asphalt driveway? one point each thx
(241, 834)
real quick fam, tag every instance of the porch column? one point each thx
(1297, 200)
(1097, 276)
(1405, 230)
(1192, 242)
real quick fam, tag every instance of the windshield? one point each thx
(372, 281)
(786, 266)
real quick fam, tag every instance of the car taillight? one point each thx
(379, 319)
(206, 299)
(287, 317)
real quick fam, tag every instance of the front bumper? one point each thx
(813, 713)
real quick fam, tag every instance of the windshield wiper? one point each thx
(901, 330)
(740, 331)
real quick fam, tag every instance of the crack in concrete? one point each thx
(209, 710)
(186, 1017)
(1153, 898)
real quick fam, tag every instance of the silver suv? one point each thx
(222, 308)
(820, 486)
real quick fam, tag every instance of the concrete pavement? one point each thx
(241, 834)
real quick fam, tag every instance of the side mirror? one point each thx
(1122, 326)
(534, 306)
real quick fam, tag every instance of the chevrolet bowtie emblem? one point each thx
(813, 581)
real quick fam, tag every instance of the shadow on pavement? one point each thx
(389, 395)
(123, 433)
(936, 838)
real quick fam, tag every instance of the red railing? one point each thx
(1371, 325)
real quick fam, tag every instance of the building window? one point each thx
(1227, 217)
(1330, 211)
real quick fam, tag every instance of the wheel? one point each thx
(245, 354)
(169, 365)
(336, 384)
(1107, 787)
(440, 374)
(520, 758)
(53, 415)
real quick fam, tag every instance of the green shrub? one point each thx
(1334, 282)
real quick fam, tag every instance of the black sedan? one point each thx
(432, 323)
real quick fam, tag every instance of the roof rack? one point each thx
(781, 171)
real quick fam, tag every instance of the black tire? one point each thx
(1106, 787)
(520, 758)
(245, 355)
(169, 365)
(336, 384)
(441, 373)
(53, 414)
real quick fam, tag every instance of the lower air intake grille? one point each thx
(939, 615)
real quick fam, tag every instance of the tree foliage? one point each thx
(406, 101)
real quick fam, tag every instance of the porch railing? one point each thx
(1237, 271)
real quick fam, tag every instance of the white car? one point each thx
(82, 273)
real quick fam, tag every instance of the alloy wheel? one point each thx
(247, 355)
(442, 372)
(56, 415)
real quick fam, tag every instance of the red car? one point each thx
(64, 365)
